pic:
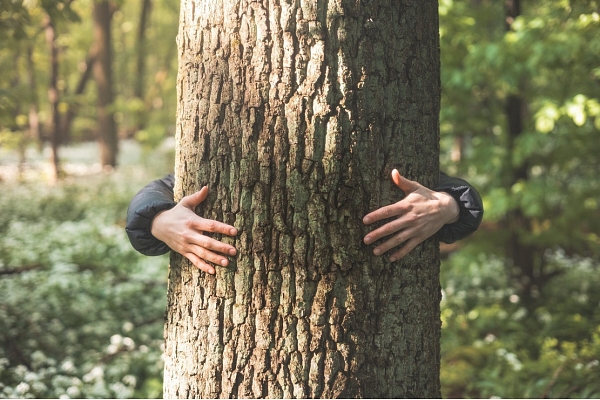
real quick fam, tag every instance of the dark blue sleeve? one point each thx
(155, 197)
(469, 203)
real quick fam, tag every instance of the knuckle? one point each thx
(410, 216)
(210, 225)
(186, 237)
(399, 238)
(201, 252)
(390, 228)
(202, 241)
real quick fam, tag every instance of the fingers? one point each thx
(408, 228)
(202, 250)
(209, 256)
(203, 224)
(393, 210)
(404, 250)
(385, 212)
(404, 238)
(200, 263)
(394, 241)
(210, 244)
(193, 200)
(209, 225)
(201, 256)
(406, 185)
(385, 230)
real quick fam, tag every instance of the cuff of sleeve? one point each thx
(469, 218)
(140, 225)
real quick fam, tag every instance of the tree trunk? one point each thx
(527, 267)
(102, 67)
(53, 97)
(140, 67)
(69, 116)
(34, 121)
(294, 115)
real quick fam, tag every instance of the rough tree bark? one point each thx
(102, 68)
(294, 114)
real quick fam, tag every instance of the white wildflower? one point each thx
(116, 339)
(22, 388)
(129, 380)
(68, 366)
(128, 326)
(73, 392)
(112, 348)
(129, 343)
(97, 373)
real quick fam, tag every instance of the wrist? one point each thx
(155, 225)
(450, 208)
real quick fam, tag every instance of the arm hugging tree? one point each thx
(294, 114)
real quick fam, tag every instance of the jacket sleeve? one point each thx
(469, 203)
(155, 197)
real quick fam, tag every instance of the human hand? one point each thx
(183, 231)
(420, 214)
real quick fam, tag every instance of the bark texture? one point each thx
(294, 114)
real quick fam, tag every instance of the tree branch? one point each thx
(19, 270)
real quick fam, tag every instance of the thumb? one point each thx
(193, 200)
(406, 185)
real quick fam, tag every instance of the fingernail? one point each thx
(392, 259)
(211, 271)
(233, 231)
(232, 252)
(224, 262)
(368, 239)
(366, 220)
(377, 252)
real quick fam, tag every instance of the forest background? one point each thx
(81, 313)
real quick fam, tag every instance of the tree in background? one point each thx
(53, 92)
(45, 95)
(103, 74)
(140, 81)
(521, 108)
(294, 114)
(520, 118)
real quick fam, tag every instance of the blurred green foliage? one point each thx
(492, 345)
(25, 66)
(551, 60)
(81, 312)
(521, 310)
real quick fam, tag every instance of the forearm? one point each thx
(154, 198)
(470, 208)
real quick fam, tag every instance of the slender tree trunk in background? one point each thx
(22, 141)
(141, 61)
(108, 140)
(294, 115)
(527, 269)
(34, 120)
(53, 98)
(67, 120)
